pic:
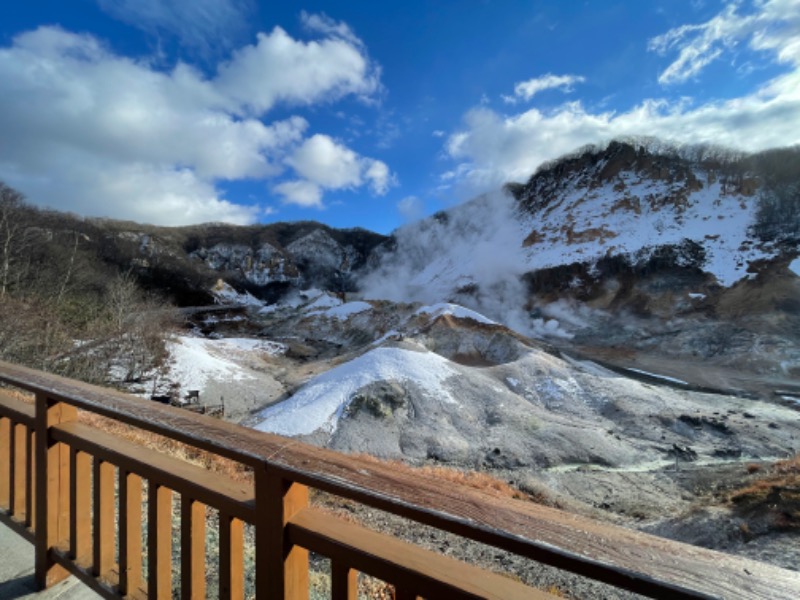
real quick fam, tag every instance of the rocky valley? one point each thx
(618, 336)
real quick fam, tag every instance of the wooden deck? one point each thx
(77, 492)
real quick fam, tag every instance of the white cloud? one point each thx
(300, 193)
(526, 90)
(378, 175)
(106, 135)
(774, 27)
(322, 23)
(279, 68)
(133, 191)
(492, 148)
(326, 163)
(699, 45)
(199, 24)
(331, 165)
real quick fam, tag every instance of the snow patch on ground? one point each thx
(324, 301)
(225, 294)
(656, 376)
(321, 403)
(794, 266)
(393, 333)
(345, 311)
(194, 362)
(459, 312)
(296, 300)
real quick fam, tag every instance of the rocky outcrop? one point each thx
(298, 256)
(260, 266)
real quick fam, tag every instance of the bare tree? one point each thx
(139, 325)
(122, 298)
(12, 234)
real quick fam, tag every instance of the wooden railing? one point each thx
(78, 494)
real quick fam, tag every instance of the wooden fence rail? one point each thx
(101, 508)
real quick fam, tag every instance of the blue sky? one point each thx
(366, 113)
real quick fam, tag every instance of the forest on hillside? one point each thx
(66, 308)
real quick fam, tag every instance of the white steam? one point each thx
(471, 255)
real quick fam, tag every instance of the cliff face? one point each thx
(266, 261)
(309, 257)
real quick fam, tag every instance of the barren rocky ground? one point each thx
(651, 441)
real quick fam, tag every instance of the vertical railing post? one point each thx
(30, 467)
(80, 518)
(281, 568)
(5, 463)
(231, 557)
(130, 532)
(52, 488)
(103, 542)
(344, 582)
(193, 549)
(19, 483)
(159, 541)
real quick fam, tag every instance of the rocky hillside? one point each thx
(91, 298)
(682, 251)
(182, 264)
(714, 217)
(726, 217)
(616, 335)
(263, 260)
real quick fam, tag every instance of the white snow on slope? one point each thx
(716, 220)
(324, 301)
(794, 266)
(345, 311)
(196, 361)
(481, 243)
(321, 403)
(297, 300)
(445, 308)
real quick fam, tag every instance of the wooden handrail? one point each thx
(283, 470)
(382, 555)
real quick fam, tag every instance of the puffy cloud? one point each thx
(138, 192)
(300, 193)
(326, 163)
(330, 165)
(526, 90)
(492, 148)
(279, 68)
(87, 130)
(377, 174)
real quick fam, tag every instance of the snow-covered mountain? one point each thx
(597, 225)
(632, 203)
